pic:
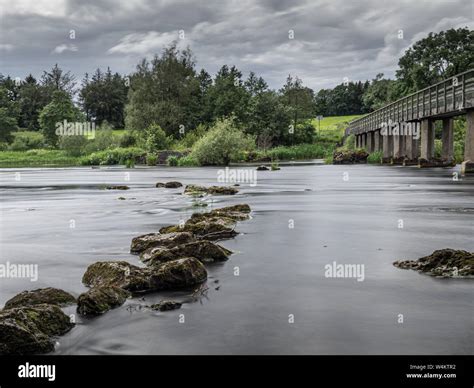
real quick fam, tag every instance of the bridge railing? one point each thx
(446, 98)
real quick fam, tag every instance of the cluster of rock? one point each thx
(344, 156)
(30, 321)
(442, 263)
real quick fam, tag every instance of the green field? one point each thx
(331, 129)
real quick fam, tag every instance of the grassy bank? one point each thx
(37, 158)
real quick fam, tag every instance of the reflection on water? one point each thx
(281, 269)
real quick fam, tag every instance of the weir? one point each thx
(442, 101)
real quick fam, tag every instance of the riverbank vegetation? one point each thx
(169, 107)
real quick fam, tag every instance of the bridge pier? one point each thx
(370, 142)
(448, 140)
(377, 141)
(387, 141)
(398, 149)
(427, 142)
(468, 164)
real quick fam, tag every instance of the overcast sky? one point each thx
(332, 39)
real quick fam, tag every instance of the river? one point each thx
(304, 217)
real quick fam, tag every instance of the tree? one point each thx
(436, 57)
(103, 98)
(9, 113)
(155, 138)
(59, 109)
(379, 93)
(298, 98)
(164, 91)
(33, 98)
(57, 79)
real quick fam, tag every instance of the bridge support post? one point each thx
(370, 142)
(377, 141)
(409, 150)
(427, 142)
(398, 149)
(468, 164)
(448, 140)
(387, 140)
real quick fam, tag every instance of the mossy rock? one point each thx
(174, 274)
(166, 305)
(212, 190)
(30, 330)
(442, 263)
(99, 300)
(169, 185)
(117, 274)
(146, 241)
(235, 213)
(203, 250)
(41, 296)
(209, 229)
(346, 156)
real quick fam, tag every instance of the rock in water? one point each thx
(203, 250)
(262, 168)
(169, 185)
(98, 300)
(119, 187)
(213, 190)
(343, 156)
(29, 330)
(209, 229)
(41, 296)
(443, 263)
(174, 274)
(141, 243)
(117, 273)
(166, 305)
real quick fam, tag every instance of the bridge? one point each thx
(404, 130)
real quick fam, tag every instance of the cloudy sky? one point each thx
(332, 39)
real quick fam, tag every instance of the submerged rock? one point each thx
(212, 190)
(98, 300)
(29, 330)
(41, 296)
(174, 274)
(166, 305)
(163, 239)
(169, 185)
(236, 213)
(119, 187)
(443, 263)
(262, 168)
(209, 229)
(203, 250)
(343, 156)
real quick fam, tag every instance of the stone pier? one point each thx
(448, 140)
(387, 141)
(377, 141)
(468, 164)
(370, 142)
(427, 142)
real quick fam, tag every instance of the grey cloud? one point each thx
(333, 38)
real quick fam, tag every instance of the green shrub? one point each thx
(192, 136)
(113, 156)
(301, 151)
(27, 140)
(3, 146)
(151, 160)
(128, 139)
(73, 145)
(172, 160)
(375, 157)
(223, 143)
(156, 139)
(459, 151)
(188, 161)
(104, 139)
(350, 142)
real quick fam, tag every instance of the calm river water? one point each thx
(346, 214)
